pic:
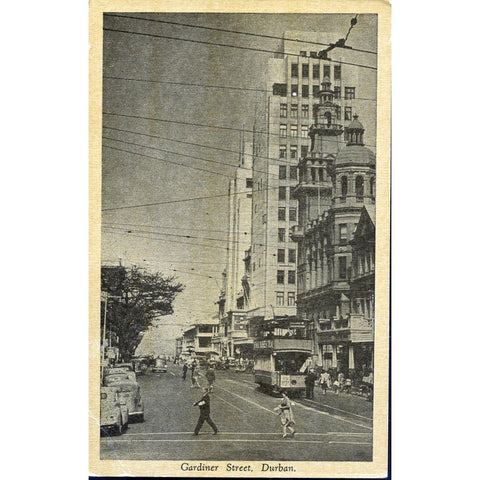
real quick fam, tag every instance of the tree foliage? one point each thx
(135, 299)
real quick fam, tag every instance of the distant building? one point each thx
(198, 337)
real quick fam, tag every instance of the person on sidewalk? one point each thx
(310, 384)
(286, 416)
(204, 405)
(210, 376)
(324, 381)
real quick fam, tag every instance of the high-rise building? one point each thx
(294, 84)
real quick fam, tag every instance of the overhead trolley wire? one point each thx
(203, 42)
(260, 35)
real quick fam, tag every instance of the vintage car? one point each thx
(129, 392)
(160, 366)
(120, 367)
(113, 411)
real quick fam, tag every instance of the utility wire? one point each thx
(181, 122)
(168, 161)
(237, 32)
(203, 42)
(204, 85)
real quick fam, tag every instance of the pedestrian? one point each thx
(286, 415)
(324, 381)
(185, 370)
(204, 405)
(195, 377)
(310, 384)
(210, 376)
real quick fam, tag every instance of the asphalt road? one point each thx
(327, 429)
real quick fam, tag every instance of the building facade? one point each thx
(294, 85)
(336, 196)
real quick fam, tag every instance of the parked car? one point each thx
(160, 366)
(129, 392)
(113, 411)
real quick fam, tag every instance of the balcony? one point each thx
(296, 233)
(353, 328)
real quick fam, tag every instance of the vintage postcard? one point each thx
(239, 239)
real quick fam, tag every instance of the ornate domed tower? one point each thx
(314, 190)
(354, 172)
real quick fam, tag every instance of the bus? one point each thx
(281, 352)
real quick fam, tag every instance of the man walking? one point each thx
(185, 370)
(210, 376)
(204, 405)
(310, 384)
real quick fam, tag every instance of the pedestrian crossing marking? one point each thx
(230, 440)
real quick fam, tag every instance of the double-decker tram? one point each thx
(281, 351)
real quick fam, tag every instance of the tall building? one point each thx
(235, 296)
(336, 198)
(294, 86)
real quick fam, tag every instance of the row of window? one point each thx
(293, 110)
(282, 169)
(280, 89)
(293, 130)
(359, 186)
(290, 277)
(281, 299)
(292, 214)
(292, 255)
(337, 69)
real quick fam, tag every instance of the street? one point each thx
(329, 428)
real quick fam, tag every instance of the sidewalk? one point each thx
(348, 402)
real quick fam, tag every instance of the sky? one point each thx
(155, 160)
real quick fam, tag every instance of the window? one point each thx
(291, 277)
(372, 186)
(304, 131)
(293, 153)
(292, 257)
(316, 91)
(337, 72)
(294, 69)
(282, 193)
(281, 213)
(280, 89)
(303, 53)
(343, 233)
(359, 186)
(249, 183)
(305, 70)
(349, 93)
(281, 276)
(280, 299)
(293, 173)
(337, 92)
(282, 152)
(264, 218)
(291, 299)
(348, 113)
(292, 214)
(282, 171)
(342, 268)
(283, 109)
(304, 150)
(316, 71)
(326, 71)
(294, 130)
(283, 130)
(344, 186)
(281, 255)
(281, 234)
(304, 111)
(294, 110)
(304, 90)
(294, 90)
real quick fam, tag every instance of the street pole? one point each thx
(104, 333)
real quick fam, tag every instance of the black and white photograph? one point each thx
(240, 302)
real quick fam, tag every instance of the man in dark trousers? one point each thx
(185, 370)
(310, 384)
(204, 405)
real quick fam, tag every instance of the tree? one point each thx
(135, 299)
